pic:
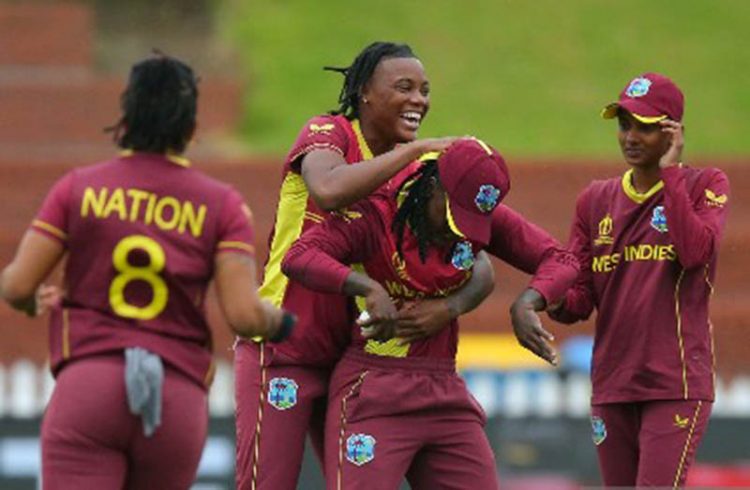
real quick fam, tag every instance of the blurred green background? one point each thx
(528, 76)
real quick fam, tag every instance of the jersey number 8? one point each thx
(148, 273)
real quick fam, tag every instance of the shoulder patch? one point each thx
(716, 201)
(321, 128)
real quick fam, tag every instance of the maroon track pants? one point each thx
(278, 404)
(91, 440)
(650, 443)
(390, 418)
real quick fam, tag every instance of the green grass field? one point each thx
(529, 76)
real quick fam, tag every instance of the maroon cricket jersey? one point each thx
(142, 232)
(362, 234)
(648, 263)
(323, 320)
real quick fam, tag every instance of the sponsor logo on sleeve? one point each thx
(605, 231)
(321, 128)
(659, 220)
(712, 200)
(360, 449)
(282, 393)
(599, 430)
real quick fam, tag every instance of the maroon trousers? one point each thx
(91, 440)
(650, 443)
(390, 418)
(278, 404)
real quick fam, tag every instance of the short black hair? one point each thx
(417, 192)
(360, 71)
(159, 106)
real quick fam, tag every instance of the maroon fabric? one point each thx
(424, 423)
(652, 95)
(363, 234)
(650, 286)
(91, 440)
(467, 168)
(143, 192)
(649, 444)
(532, 250)
(309, 343)
(139, 210)
(271, 441)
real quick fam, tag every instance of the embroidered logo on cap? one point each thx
(659, 220)
(487, 198)
(638, 87)
(282, 393)
(360, 449)
(463, 256)
(599, 430)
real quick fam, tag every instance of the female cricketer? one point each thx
(648, 244)
(398, 408)
(143, 234)
(337, 159)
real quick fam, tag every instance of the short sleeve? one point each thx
(52, 219)
(319, 133)
(235, 229)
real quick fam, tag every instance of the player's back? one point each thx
(142, 232)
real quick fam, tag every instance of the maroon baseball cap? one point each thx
(649, 98)
(475, 179)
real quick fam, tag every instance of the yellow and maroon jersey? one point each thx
(648, 263)
(141, 233)
(322, 330)
(362, 233)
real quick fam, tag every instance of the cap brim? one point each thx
(467, 224)
(642, 112)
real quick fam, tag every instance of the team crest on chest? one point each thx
(659, 220)
(282, 393)
(598, 430)
(360, 449)
(463, 256)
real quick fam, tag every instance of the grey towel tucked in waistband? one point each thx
(144, 378)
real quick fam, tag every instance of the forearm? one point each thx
(556, 273)
(343, 185)
(476, 290)
(315, 269)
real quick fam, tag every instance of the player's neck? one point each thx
(644, 178)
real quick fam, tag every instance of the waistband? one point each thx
(413, 364)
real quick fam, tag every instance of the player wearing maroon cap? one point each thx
(399, 408)
(648, 245)
(130, 349)
(337, 159)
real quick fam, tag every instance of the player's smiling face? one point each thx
(642, 144)
(398, 98)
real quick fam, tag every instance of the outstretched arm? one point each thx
(333, 184)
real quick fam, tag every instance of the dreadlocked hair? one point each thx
(360, 71)
(417, 192)
(159, 106)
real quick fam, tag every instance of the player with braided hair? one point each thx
(337, 159)
(399, 408)
(130, 349)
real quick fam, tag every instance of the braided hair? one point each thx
(360, 71)
(159, 106)
(417, 191)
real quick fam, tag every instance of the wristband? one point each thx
(288, 321)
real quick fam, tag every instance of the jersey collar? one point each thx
(634, 195)
(176, 159)
(366, 152)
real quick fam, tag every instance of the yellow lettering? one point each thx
(137, 196)
(91, 200)
(149, 218)
(647, 252)
(394, 288)
(116, 204)
(159, 218)
(189, 218)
